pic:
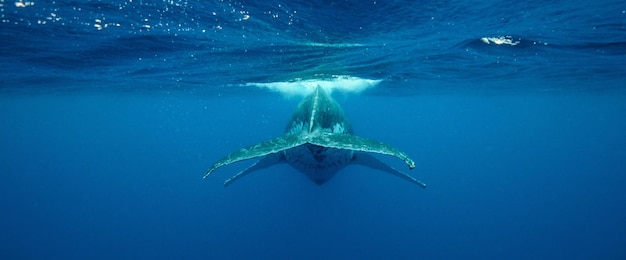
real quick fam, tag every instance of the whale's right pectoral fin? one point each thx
(360, 144)
(265, 148)
(371, 162)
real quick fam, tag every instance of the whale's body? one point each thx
(318, 142)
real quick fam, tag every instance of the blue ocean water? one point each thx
(111, 112)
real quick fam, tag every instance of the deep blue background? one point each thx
(105, 134)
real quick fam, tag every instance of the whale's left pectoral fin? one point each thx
(266, 161)
(265, 148)
(371, 162)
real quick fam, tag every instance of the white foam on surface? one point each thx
(299, 87)
(334, 45)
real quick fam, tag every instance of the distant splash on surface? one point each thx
(302, 87)
(501, 40)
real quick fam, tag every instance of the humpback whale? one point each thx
(319, 142)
